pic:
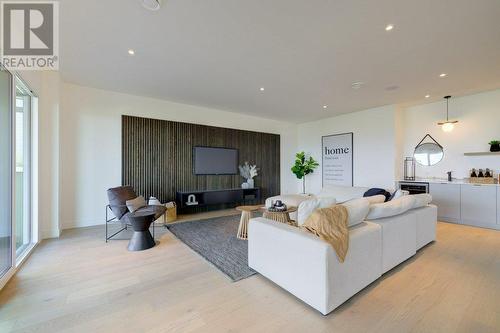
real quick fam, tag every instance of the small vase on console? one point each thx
(244, 185)
(250, 183)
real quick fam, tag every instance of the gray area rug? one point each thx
(215, 240)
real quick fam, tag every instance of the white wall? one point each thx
(479, 123)
(90, 142)
(374, 145)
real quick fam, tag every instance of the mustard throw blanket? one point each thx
(330, 224)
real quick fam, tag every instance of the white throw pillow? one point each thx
(391, 208)
(306, 208)
(422, 200)
(325, 202)
(136, 203)
(399, 194)
(375, 199)
(357, 210)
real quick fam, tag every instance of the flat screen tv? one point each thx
(215, 161)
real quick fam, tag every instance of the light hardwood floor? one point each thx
(78, 283)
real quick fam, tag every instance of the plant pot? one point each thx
(495, 148)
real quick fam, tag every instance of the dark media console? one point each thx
(217, 197)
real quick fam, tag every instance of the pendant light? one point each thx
(448, 125)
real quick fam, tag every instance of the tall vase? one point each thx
(250, 182)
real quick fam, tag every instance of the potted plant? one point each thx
(303, 166)
(494, 146)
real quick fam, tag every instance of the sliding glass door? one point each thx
(22, 177)
(5, 172)
(16, 227)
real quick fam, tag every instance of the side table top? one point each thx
(248, 208)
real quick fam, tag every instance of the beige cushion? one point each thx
(136, 203)
(342, 193)
(391, 208)
(357, 210)
(375, 199)
(325, 202)
(306, 208)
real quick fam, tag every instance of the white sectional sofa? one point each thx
(308, 267)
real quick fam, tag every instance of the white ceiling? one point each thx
(305, 53)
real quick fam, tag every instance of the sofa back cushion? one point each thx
(357, 209)
(342, 193)
(375, 199)
(422, 200)
(391, 208)
(306, 208)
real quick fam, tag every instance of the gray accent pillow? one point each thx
(136, 203)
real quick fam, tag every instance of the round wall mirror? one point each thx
(428, 153)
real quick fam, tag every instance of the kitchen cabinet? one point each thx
(447, 198)
(479, 205)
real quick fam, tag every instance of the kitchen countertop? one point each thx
(445, 181)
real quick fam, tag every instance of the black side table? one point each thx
(141, 239)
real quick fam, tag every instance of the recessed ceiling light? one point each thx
(151, 4)
(325, 106)
(262, 89)
(357, 85)
(389, 27)
(427, 96)
(131, 52)
(442, 75)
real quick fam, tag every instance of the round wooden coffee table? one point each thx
(246, 215)
(283, 217)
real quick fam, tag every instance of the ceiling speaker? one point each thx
(151, 4)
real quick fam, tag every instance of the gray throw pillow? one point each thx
(136, 203)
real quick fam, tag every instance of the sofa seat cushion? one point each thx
(342, 193)
(391, 208)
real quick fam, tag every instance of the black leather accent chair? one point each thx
(118, 197)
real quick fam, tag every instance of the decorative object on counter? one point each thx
(488, 173)
(428, 153)
(473, 173)
(482, 177)
(302, 167)
(447, 125)
(494, 146)
(248, 172)
(409, 165)
(450, 178)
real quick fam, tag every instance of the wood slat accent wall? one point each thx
(157, 157)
